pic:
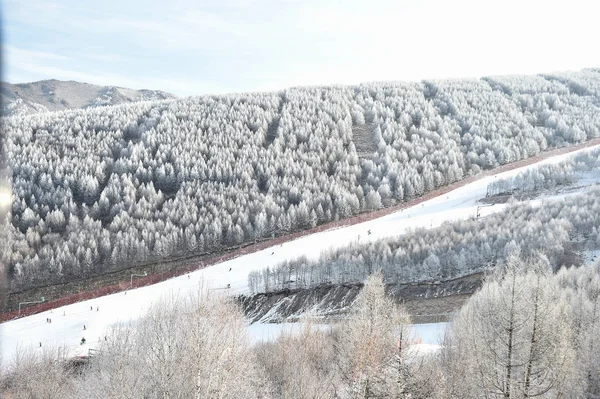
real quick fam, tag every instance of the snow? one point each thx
(590, 256)
(430, 333)
(268, 332)
(425, 338)
(426, 334)
(67, 324)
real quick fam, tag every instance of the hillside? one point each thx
(104, 189)
(56, 95)
(451, 211)
(433, 268)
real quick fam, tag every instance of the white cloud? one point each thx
(24, 54)
(199, 47)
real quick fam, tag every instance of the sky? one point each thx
(210, 47)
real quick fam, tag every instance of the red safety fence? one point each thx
(251, 248)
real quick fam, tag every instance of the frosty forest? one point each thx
(299, 199)
(527, 333)
(455, 249)
(106, 188)
(546, 177)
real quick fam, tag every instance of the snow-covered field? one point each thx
(67, 326)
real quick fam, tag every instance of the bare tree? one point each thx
(299, 365)
(373, 338)
(34, 373)
(219, 355)
(185, 347)
(116, 371)
(513, 338)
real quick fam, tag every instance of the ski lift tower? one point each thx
(30, 303)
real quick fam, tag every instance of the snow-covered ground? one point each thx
(429, 334)
(268, 332)
(67, 327)
(426, 337)
(590, 256)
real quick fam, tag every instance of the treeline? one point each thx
(526, 333)
(101, 189)
(548, 176)
(454, 249)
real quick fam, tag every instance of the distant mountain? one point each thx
(54, 95)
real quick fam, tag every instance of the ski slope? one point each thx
(67, 326)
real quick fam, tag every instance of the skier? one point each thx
(82, 340)
(84, 327)
(97, 308)
(230, 269)
(40, 344)
(91, 308)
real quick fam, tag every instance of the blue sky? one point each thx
(200, 47)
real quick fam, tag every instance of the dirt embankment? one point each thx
(65, 293)
(426, 302)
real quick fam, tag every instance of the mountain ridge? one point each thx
(55, 95)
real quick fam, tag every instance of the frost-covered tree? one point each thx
(42, 373)
(455, 249)
(192, 347)
(368, 342)
(513, 338)
(300, 364)
(242, 167)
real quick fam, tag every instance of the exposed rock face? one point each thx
(427, 301)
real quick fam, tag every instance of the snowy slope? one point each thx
(68, 321)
